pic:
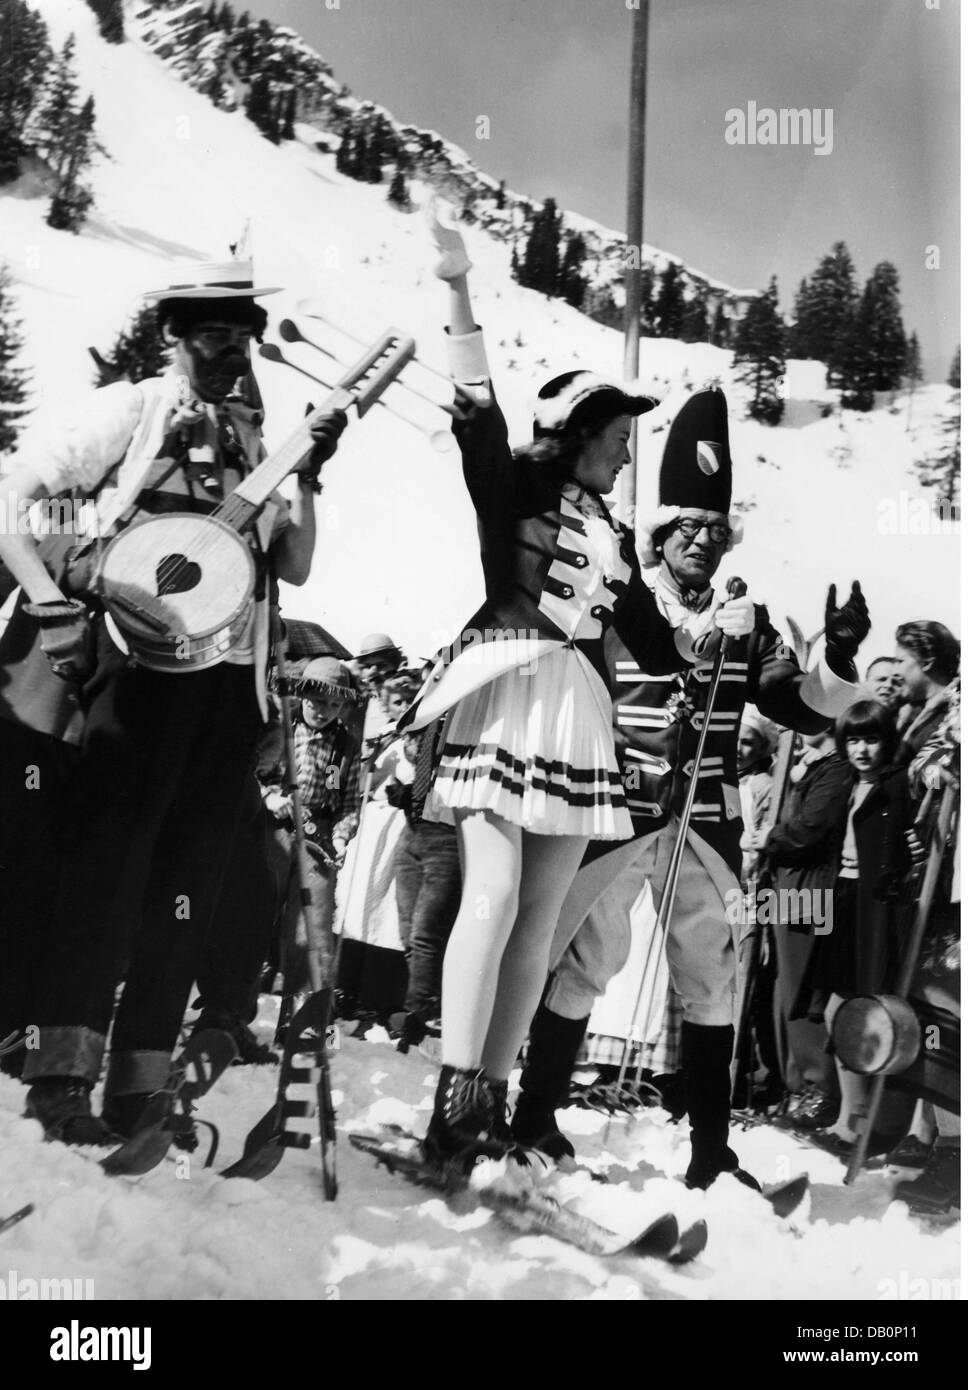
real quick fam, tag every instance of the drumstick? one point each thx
(272, 353)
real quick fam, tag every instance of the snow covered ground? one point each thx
(827, 498)
(182, 1232)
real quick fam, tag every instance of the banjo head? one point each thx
(178, 585)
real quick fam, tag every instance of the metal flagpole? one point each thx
(634, 218)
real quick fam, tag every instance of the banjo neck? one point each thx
(241, 508)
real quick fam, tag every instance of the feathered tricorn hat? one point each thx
(696, 470)
(578, 400)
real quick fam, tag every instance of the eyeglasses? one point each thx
(690, 527)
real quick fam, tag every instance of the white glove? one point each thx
(736, 617)
(453, 259)
(278, 805)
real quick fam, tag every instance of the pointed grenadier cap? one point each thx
(697, 468)
(696, 472)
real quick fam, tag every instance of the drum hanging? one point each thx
(876, 1033)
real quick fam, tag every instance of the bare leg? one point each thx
(490, 852)
(548, 866)
(854, 1089)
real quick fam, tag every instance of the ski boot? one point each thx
(706, 1055)
(251, 1052)
(62, 1104)
(462, 1127)
(553, 1046)
(937, 1190)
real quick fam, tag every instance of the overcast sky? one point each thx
(552, 76)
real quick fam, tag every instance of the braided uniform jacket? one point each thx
(657, 721)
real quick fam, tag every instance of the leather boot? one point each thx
(62, 1104)
(461, 1128)
(553, 1046)
(707, 1051)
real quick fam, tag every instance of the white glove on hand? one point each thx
(279, 805)
(453, 259)
(736, 617)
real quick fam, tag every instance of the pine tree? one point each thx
(258, 104)
(759, 357)
(954, 376)
(913, 369)
(855, 363)
(695, 320)
(110, 19)
(822, 311)
(539, 270)
(722, 329)
(873, 349)
(24, 58)
(670, 303)
(344, 152)
(72, 198)
(798, 337)
(888, 340)
(59, 109)
(13, 378)
(398, 193)
(361, 148)
(571, 281)
(371, 165)
(940, 470)
(500, 197)
(647, 295)
(287, 129)
(139, 351)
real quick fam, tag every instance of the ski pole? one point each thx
(319, 984)
(734, 589)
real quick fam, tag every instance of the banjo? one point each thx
(178, 588)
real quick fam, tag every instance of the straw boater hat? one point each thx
(211, 280)
(696, 471)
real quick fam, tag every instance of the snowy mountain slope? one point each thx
(180, 34)
(398, 544)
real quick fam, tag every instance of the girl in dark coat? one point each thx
(860, 955)
(526, 766)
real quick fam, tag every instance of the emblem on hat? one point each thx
(708, 456)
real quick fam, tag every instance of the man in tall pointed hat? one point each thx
(164, 758)
(657, 722)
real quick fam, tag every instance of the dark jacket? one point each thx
(862, 953)
(803, 848)
(524, 537)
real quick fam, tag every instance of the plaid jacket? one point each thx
(328, 769)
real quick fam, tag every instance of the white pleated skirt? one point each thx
(534, 746)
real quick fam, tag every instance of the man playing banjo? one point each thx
(150, 813)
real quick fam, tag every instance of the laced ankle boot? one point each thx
(461, 1128)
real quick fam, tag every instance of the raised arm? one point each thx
(479, 424)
